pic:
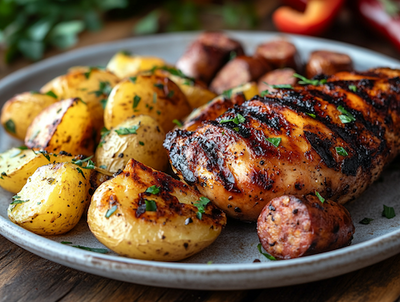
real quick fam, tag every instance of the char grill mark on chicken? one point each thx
(235, 164)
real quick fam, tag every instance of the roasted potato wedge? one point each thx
(53, 199)
(92, 85)
(66, 126)
(139, 137)
(150, 94)
(18, 112)
(124, 65)
(145, 214)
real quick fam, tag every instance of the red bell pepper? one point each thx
(316, 18)
(383, 16)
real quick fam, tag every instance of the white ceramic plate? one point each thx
(233, 253)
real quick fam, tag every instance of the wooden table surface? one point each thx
(27, 277)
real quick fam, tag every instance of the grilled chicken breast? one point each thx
(333, 138)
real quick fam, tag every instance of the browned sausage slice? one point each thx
(238, 71)
(207, 54)
(327, 62)
(276, 77)
(291, 227)
(279, 53)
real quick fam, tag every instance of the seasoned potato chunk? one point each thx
(92, 85)
(18, 112)
(145, 214)
(65, 125)
(18, 164)
(140, 138)
(123, 64)
(53, 199)
(150, 94)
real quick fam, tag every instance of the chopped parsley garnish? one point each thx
(88, 73)
(91, 249)
(346, 117)
(126, 52)
(170, 94)
(311, 114)
(153, 190)
(237, 120)
(274, 140)
(141, 143)
(178, 123)
(159, 85)
(201, 205)
(209, 262)
(158, 112)
(265, 92)
(366, 220)
(353, 88)
(111, 211)
(266, 255)
(127, 131)
(79, 162)
(22, 148)
(282, 86)
(66, 242)
(51, 93)
(104, 89)
(43, 152)
(305, 81)
(136, 101)
(188, 82)
(10, 126)
(151, 205)
(341, 151)
(104, 133)
(227, 93)
(103, 103)
(80, 172)
(3, 174)
(388, 212)
(177, 72)
(32, 138)
(17, 200)
(133, 79)
(79, 99)
(232, 55)
(321, 199)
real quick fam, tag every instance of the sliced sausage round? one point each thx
(328, 63)
(290, 227)
(276, 77)
(279, 54)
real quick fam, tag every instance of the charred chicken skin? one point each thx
(333, 138)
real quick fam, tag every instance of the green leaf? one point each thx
(43, 152)
(10, 126)
(178, 123)
(136, 101)
(151, 205)
(80, 172)
(170, 94)
(321, 199)
(201, 205)
(64, 34)
(126, 131)
(159, 85)
(311, 114)
(153, 190)
(282, 86)
(274, 141)
(91, 249)
(93, 21)
(266, 255)
(52, 94)
(353, 88)
(388, 212)
(39, 30)
(31, 49)
(366, 220)
(227, 93)
(111, 211)
(346, 117)
(341, 151)
(133, 79)
(305, 81)
(238, 119)
(264, 92)
(148, 25)
(392, 8)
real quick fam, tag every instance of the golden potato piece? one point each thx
(124, 65)
(18, 113)
(18, 164)
(66, 126)
(92, 85)
(140, 137)
(145, 214)
(148, 94)
(53, 200)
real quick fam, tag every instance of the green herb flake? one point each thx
(104, 132)
(103, 103)
(89, 164)
(91, 249)
(227, 93)
(353, 88)
(59, 110)
(201, 206)
(346, 117)
(127, 131)
(51, 93)
(66, 242)
(80, 172)
(170, 94)
(159, 85)
(154, 98)
(151, 205)
(266, 255)
(3, 174)
(188, 82)
(136, 101)
(341, 151)
(43, 152)
(104, 89)
(321, 199)
(17, 200)
(10, 126)
(125, 52)
(178, 123)
(158, 112)
(388, 212)
(366, 220)
(305, 81)
(274, 140)
(141, 143)
(209, 262)
(311, 114)
(22, 148)
(111, 211)
(265, 92)
(282, 86)
(153, 190)
(238, 119)
(133, 79)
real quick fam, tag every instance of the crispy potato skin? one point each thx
(22, 109)
(125, 65)
(159, 98)
(63, 126)
(85, 83)
(145, 146)
(18, 165)
(55, 197)
(171, 233)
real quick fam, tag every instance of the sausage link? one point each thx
(327, 63)
(279, 53)
(276, 77)
(238, 71)
(207, 54)
(290, 227)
